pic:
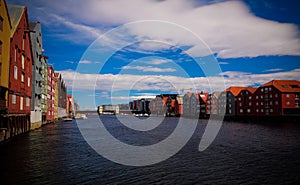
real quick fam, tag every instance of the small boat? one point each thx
(80, 116)
(67, 119)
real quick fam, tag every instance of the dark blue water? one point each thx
(241, 154)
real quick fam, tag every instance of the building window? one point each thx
(271, 95)
(248, 110)
(240, 104)
(261, 103)
(27, 102)
(287, 95)
(21, 103)
(262, 90)
(1, 23)
(271, 103)
(22, 77)
(250, 103)
(23, 61)
(250, 97)
(288, 103)
(241, 110)
(16, 72)
(256, 103)
(257, 110)
(1, 47)
(28, 81)
(270, 88)
(261, 110)
(239, 99)
(261, 96)
(13, 99)
(296, 104)
(276, 95)
(271, 110)
(15, 54)
(276, 102)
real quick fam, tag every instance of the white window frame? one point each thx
(16, 72)
(21, 103)
(28, 82)
(23, 61)
(14, 99)
(27, 102)
(22, 77)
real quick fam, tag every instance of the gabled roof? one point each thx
(188, 94)
(235, 90)
(251, 89)
(284, 85)
(216, 94)
(202, 95)
(56, 74)
(15, 14)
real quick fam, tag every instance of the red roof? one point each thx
(251, 89)
(235, 90)
(285, 85)
(202, 95)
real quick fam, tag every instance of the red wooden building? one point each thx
(278, 98)
(51, 84)
(20, 72)
(70, 105)
(245, 102)
(212, 104)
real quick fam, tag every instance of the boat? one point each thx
(67, 119)
(80, 116)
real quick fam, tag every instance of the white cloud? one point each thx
(223, 63)
(85, 62)
(129, 98)
(159, 61)
(229, 28)
(149, 69)
(110, 82)
(273, 70)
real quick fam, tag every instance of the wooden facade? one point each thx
(212, 105)
(20, 73)
(44, 88)
(245, 105)
(278, 97)
(5, 32)
(37, 74)
(50, 94)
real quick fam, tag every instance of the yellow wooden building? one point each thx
(5, 29)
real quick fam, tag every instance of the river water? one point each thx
(242, 153)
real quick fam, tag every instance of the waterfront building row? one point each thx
(31, 93)
(275, 98)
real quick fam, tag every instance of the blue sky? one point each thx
(105, 56)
